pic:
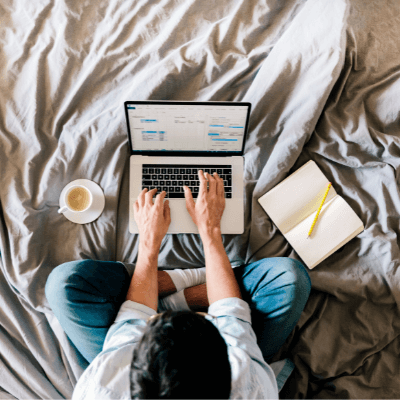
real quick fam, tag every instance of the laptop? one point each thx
(170, 141)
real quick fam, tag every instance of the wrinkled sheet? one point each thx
(323, 78)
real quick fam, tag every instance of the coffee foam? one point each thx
(78, 199)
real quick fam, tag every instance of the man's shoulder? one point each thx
(251, 378)
(108, 374)
(231, 306)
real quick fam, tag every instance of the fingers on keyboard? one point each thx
(171, 179)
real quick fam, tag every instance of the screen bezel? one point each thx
(188, 153)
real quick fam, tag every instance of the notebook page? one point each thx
(296, 197)
(337, 223)
(354, 234)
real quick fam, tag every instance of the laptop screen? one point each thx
(187, 127)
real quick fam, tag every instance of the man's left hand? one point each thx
(153, 220)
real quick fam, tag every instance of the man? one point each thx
(135, 353)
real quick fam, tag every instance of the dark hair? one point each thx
(181, 355)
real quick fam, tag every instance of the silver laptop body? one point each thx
(170, 140)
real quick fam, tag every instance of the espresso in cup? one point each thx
(78, 199)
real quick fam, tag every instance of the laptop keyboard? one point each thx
(172, 178)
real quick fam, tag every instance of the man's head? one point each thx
(181, 355)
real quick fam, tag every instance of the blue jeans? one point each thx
(86, 296)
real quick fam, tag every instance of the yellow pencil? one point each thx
(319, 209)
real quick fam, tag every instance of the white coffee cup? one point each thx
(77, 199)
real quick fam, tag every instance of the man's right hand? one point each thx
(207, 212)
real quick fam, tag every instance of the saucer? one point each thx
(95, 209)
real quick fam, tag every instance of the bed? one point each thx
(323, 78)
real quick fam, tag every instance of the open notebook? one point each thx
(292, 206)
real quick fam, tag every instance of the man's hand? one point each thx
(153, 220)
(208, 210)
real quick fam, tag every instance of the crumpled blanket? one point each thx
(323, 80)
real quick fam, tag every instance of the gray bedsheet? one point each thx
(323, 78)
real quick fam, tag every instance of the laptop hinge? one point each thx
(184, 156)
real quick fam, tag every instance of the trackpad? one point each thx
(181, 221)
